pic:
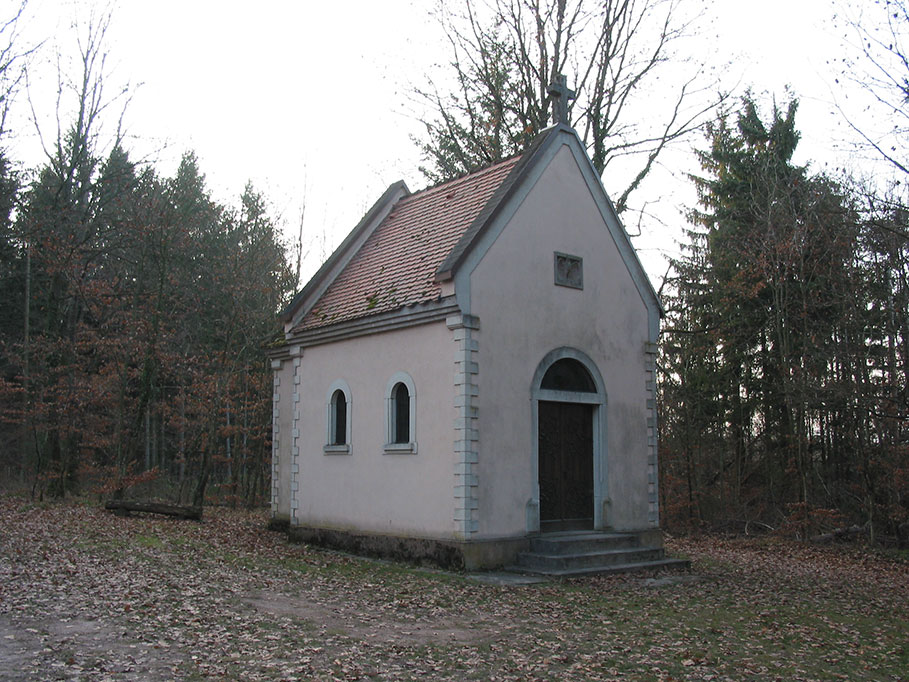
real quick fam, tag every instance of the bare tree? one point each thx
(877, 63)
(83, 102)
(12, 60)
(507, 53)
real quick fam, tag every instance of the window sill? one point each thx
(400, 448)
(343, 449)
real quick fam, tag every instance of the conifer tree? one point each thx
(762, 295)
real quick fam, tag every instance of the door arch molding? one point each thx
(597, 399)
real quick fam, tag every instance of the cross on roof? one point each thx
(561, 95)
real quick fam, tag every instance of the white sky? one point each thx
(309, 99)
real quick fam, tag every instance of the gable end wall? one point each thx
(523, 316)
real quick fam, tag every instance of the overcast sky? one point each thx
(310, 100)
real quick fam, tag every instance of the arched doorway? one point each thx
(569, 423)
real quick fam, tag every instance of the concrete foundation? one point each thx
(456, 555)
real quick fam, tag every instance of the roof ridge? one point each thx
(470, 175)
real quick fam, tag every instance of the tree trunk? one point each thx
(193, 513)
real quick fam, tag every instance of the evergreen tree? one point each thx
(761, 296)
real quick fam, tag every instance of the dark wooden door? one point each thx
(566, 466)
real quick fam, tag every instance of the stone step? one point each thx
(573, 542)
(678, 564)
(585, 552)
(574, 560)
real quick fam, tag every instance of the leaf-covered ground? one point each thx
(86, 595)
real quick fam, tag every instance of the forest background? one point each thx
(134, 306)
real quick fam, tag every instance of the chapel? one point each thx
(469, 378)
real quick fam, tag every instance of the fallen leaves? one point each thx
(90, 596)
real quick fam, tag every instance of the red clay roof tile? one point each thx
(397, 265)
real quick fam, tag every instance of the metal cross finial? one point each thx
(560, 95)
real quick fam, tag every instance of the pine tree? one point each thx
(764, 283)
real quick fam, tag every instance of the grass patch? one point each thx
(150, 541)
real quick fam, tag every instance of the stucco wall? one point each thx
(369, 490)
(523, 316)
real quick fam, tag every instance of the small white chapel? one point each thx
(469, 378)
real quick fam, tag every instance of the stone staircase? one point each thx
(575, 553)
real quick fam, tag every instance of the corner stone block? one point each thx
(462, 380)
(463, 514)
(471, 480)
(464, 492)
(465, 448)
(464, 468)
(465, 410)
(463, 423)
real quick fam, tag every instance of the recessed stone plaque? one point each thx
(569, 271)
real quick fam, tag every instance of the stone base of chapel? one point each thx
(279, 522)
(460, 555)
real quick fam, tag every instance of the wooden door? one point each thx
(566, 465)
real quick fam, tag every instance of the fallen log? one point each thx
(839, 534)
(124, 507)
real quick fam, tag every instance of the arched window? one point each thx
(400, 398)
(337, 419)
(401, 401)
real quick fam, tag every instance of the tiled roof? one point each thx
(396, 266)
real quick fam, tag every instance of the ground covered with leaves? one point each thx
(86, 595)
